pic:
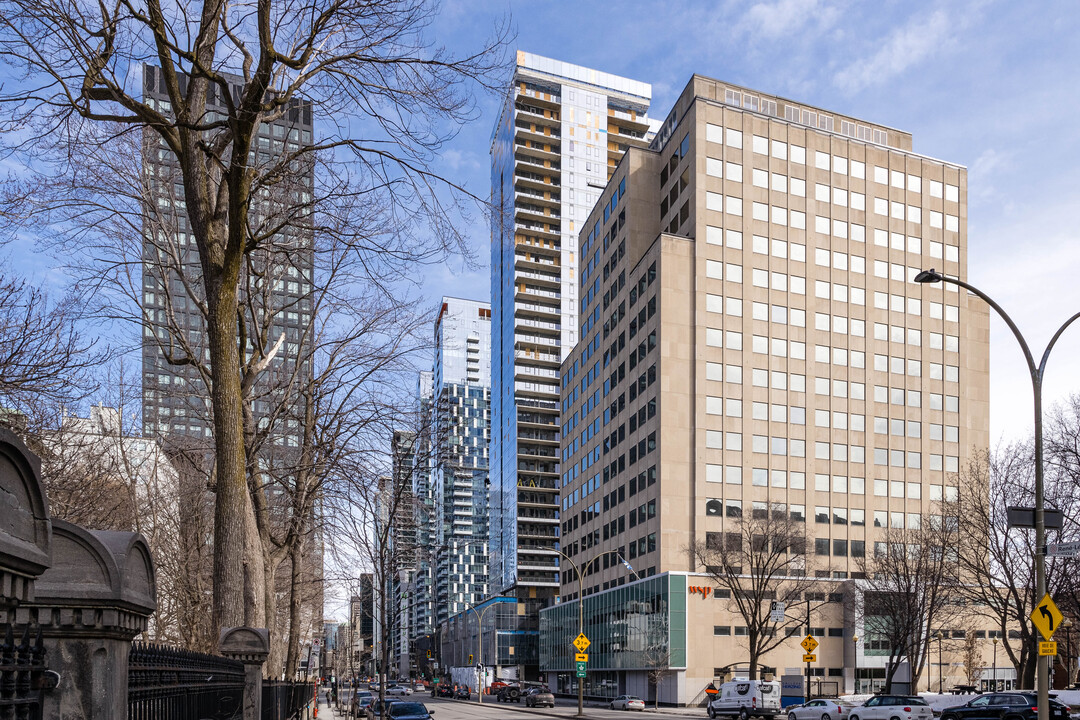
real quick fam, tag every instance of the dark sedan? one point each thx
(1004, 706)
(408, 711)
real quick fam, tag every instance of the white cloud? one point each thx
(787, 17)
(906, 47)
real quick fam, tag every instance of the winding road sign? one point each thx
(1046, 617)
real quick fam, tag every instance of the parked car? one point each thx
(358, 706)
(401, 690)
(627, 702)
(746, 698)
(408, 711)
(355, 700)
(375, 711)
(821, 710)
(539, 697)
(462, 692)
(893, 707)
(1004, 706)
(509, 693)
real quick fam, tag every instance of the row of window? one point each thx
(839, 165)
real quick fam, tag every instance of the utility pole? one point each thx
(808, 634)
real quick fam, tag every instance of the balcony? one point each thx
(536, 390)
(539, 358)
(522, 340)
(631, 119)
(524, 177)
(547, 199)
(544, 216)
(539, 326)
(539, 133)
(544, 312)
(536, 112)
(536, 163)
(523, 228)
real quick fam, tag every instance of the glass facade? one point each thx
(639, 626)
(559, 135)
(508, 635)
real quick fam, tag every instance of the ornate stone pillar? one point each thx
(25, 532)
(90, 604)
(250, 646)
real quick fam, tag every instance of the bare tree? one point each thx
(971, 653)
(759, 560)
(910, 589)
(228, 70)
(44, 359)
(996, 561)
(364, 503)
(657, 654)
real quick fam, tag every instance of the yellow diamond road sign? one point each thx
(809, 643)
(582, 643)
(1046, 617)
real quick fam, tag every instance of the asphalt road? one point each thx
(491, 709)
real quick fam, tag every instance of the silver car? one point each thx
(821, 710)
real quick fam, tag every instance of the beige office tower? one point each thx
(752, 342)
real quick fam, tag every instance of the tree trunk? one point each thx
(236, 580)
(292, 652)
(753, 658)
(276, 658)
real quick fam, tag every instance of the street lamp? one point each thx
(581, 613)
(993, 683)
(1037, 373)
(940, 684)
(855, 660)
(480, 644)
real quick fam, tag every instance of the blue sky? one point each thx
(990, 85)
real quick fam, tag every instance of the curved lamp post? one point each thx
(993, 683)
(581, 613)
(855, 660)
(480, 647)
(1037, 373)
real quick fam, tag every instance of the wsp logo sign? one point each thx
(702, 591)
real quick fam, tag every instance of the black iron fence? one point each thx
(284, 700)
(169, 684)
(22, 676)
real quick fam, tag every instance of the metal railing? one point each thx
(22, 676)
(284, 700)
(169, 684)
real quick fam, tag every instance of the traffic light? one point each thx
(470, 659)
(428, 654)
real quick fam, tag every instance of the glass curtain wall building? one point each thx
(560, 133)
(459, 475)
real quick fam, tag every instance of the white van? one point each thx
(746, 698)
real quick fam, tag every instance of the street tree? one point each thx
(657, 654)
(996, 561)
(389, 99)
(45, 358)
(757, 561)
(910, 589)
